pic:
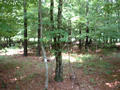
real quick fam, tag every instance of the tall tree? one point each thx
(52, 21)
(58, 55)
(39, 27)
(80, 41)
(87, 28)
(51, 14)
(25, 28)
(40, 43)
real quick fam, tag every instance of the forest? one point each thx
(59, 44)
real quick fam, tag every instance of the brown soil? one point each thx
(32, 76)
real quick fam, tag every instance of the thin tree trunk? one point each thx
(118, 22)
(80, 41)
(51, 14)
(10, 42)
(25, 28)
(0, 40)
(40, 42)
(39, 27)
(87, 28)
(46, 65)
(58, 56)
(52, 21)
(7, 41)
(70, 31)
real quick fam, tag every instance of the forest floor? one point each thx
(93, 71)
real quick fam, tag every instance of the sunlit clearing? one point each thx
(67, 57)
(117, 44)
(11, 51)
(74, 57)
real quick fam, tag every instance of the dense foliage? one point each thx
(58, 25)
(102, 17)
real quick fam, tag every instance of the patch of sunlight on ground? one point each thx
(11, 51)
(74, 57)
(65, 57)
(113, 84)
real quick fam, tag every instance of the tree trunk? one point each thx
(40, 44)
(10, 42)
(58, 55)
(87, 28)
(0, 40)
(118, 13)
(51, 14)
(80, 41)
(52, 21)
(39, 28)
(87, 41)
(7, 40)
(69, 31)
(25, 28)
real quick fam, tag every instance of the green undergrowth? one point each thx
(108, 51)
(30, 76)
(93, 64)
(6, 63)
(22, 67)
(116, 55)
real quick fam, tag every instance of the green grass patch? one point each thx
(31, 76)
(92, 64)
(7, 63)
(108, 51)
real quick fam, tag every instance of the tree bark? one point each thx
(52, 22)
(58, 56)
(87, 28)
(118, 12)
(10, 41)
(40, 43)
(51, 14)
(25, 28)
(39, 27)
(69, 31)
(80, 41)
